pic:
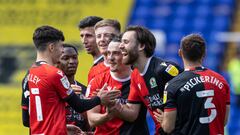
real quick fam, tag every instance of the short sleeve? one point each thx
(91, 74)
(171, 71)
(25, 94)
(133, 96)
(61, 84)
(92, 86)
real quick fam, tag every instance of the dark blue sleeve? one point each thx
(25, 102)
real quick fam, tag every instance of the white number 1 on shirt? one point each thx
(35, 92)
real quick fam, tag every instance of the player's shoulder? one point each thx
(174, 84)
(99, 67)
(217, 75)
(54, 71)
(102, 76)
(166, 67)
(135, 72)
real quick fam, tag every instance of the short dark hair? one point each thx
(116, 38)
(71, 46)
(193, 47)
(146, 37)
(89, 21)
(109, 22)
(46, 34)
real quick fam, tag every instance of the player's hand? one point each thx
(116, 108)
(74, 130)
(77, 89)
(158, 114)
(94, 93)
(107, 96)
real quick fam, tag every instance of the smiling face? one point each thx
(114, 57)
(129, 48)
(89, 40)
(103, 37)
(69, 61)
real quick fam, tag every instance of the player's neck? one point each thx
(105, 61)
(191, 65)
(71, 79)
(124, 73)
(42, 56)
(140, 63)
(96, 56)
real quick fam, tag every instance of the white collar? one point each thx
(146, 67)
(96, 61)
(118, 79)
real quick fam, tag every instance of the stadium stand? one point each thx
(177, 18)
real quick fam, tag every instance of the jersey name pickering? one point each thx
(201, 79)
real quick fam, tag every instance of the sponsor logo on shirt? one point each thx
(163, 64)
(153, 82)
(155, 101)
(172, 70)
(60, 72)
(139, 86)
(65, 82)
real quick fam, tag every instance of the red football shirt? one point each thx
(48, 88)
(111, 127)
(96, 70)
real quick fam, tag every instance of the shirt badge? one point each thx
(153, 82)
(172, 70)
(60, 72)
(65, 82)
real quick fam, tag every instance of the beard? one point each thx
(131, 57)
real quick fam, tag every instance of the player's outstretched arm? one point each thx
(227, 115)
(95, 118)
(128, 112)
(169, 120)
(80, 105)
(25, 117)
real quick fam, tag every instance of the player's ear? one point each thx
(51, 47)
(141, 47)
(180, 52)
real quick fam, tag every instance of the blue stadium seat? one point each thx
(180, 17)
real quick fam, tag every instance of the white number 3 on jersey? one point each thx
(207, 105)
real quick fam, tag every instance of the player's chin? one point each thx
(113, 69)
(71, 72)
(125, 60)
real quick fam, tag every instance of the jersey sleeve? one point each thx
(227, 94)
(83, 87)
(25, 93)
(61, 84)
(133, 96)
(169, 98)
(171, 71)
(91, 74)
(92, 87)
